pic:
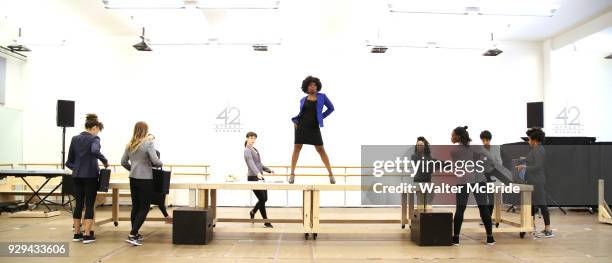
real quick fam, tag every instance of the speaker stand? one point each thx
(69, 202)
(63, 147)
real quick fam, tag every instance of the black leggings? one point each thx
(85, 190)
(544, 210)
(481, 201)
(539, 201)
(262, 197)
(490, 203)
(141, 191)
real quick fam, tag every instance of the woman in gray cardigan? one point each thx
(256, 170)
(139, 158)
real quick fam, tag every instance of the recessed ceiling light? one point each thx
(260, 47)
(539, 8)
(492, 52)
(378, 49)
(144, 4)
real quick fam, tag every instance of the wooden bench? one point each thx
(522, 227)
(309, 221)
(207, 198)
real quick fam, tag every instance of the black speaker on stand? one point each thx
(65, 118)
(535, 114)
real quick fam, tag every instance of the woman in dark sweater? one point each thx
(535, 174)
(255, 173)
(464, 152)
(308, 122)
(83, 156)
(422, 152)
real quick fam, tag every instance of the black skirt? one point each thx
(308, 131)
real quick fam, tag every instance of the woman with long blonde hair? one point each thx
(139, 158)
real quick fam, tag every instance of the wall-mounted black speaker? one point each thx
(65, 113)
(535, 114)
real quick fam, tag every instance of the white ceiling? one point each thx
(312, 21)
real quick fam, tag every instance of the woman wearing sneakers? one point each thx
(83, 157)
(139, 158)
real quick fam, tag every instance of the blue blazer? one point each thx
(321, 100)
(84, 154)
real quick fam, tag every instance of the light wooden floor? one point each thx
(579, 238)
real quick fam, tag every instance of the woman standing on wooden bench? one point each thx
(83, 156)
(139, 158)
(308, 122)
(256, 170)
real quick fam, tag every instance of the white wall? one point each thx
(578, 83)
(11, 146)
(380, 98)
(13, 82)
(581, 83)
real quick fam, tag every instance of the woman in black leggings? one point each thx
(139, 158)
(463, 152)
(535, 174)
(256, 170)
(83, 156)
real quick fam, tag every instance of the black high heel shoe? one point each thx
(291, 179)
(252, 215)
(332, 180)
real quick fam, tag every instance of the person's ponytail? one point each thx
(463, 134)
(91, 120)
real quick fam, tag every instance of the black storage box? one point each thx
(192, 226)
(432, 229)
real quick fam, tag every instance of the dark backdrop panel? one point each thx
(574, 166)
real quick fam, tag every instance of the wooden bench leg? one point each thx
(316, 204)
(404, 205)
(213, 203)
(497, 208)
(410, 208)
(115, 206)
(526, 218)
(206, 198)
(306, 210)
(201, 198)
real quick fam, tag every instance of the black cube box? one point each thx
(432, 229)
(192, 226)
